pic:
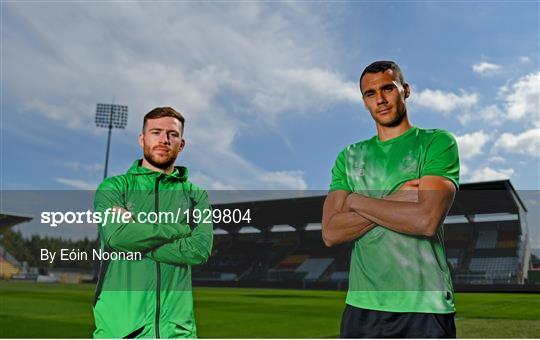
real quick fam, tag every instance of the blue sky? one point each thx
(269, 90)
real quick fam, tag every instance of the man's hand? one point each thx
(339, 226)
(408, 192)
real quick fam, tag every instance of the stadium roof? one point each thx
(492, 197)
(481, 198)
(9, 220)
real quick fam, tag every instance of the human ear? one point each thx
(407, 90)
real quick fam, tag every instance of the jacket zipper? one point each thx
(158, 267)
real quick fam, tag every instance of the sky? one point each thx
(269, 89)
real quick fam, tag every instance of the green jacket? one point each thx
(150, 297)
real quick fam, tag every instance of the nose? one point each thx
(381, 99)
(164, 138)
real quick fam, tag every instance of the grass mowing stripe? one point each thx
(58, 310)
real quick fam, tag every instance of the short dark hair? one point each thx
(160, 112)
(381, 66)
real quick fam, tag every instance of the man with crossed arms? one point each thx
(390, 195)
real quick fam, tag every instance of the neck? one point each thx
(146, 164)
(388, 132)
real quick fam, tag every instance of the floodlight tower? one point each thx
(110, 116)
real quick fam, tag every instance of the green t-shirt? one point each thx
(391, 271)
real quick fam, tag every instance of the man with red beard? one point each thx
(151, 297)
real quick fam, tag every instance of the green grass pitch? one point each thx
(60, 311)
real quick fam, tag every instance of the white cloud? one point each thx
(437, 100)
(465, 119)
(299, 88)
(490, 174)
(471, 144)
(220, 65)
(523, 99)
(524, 60)
(519, 101)
(324, 82)
(463, 169)
(497, 159)
(71, 114)
(84, 167)
(484, 68)
(502, 91)
(258, 180)
(209, 183)
(76, 183)
(491, 114)
(527, 142)
(287, 179)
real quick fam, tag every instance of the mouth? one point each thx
(384, 111)
(161, 149)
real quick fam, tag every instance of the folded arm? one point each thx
(435, 197)
(338, 226)
(193, 249)
(131, 236)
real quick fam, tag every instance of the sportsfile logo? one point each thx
(120, 216)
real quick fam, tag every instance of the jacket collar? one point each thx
(180, 173)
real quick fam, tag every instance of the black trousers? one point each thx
(366, 323)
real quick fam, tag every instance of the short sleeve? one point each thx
(339, 174)
(442, 157)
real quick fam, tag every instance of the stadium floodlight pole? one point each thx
(110, 116)
(107, 153)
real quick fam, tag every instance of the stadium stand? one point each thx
(485, 236)
(315, 267)
(534, 270)
(486, 239)
(9, 266)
